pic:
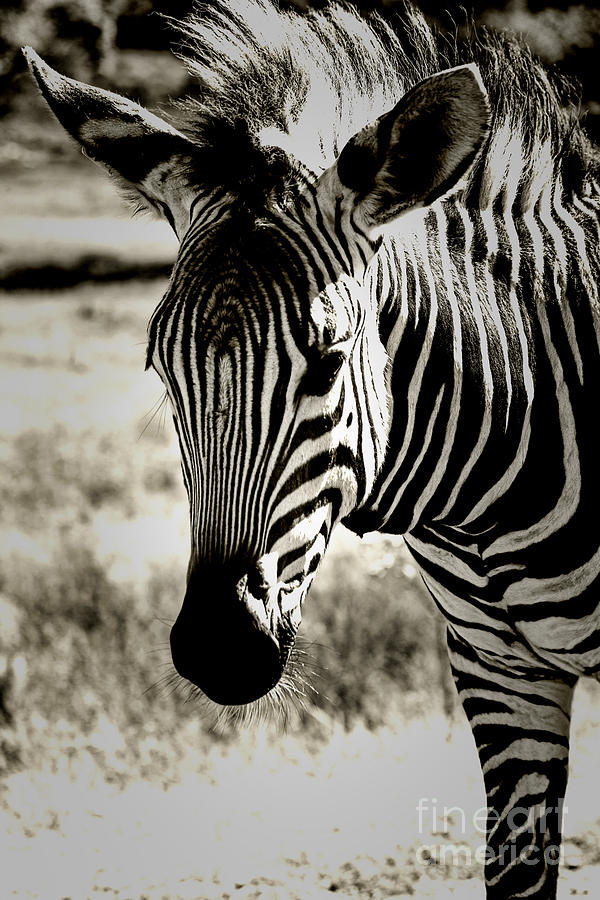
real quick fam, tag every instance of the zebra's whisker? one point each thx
(157, 413)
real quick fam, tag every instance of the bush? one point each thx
(375, 635)
(94, 653)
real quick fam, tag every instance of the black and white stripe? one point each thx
(248, 365)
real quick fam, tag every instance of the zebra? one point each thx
(384, 312)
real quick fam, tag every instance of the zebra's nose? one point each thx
(219, 644)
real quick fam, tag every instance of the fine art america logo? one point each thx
(520, 821)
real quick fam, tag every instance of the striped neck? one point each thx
(464, 319)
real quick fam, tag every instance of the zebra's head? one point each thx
(268, 341)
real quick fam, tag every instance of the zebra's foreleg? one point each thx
(521, 729)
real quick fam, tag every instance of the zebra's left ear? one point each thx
(418, 151)
(147, 153)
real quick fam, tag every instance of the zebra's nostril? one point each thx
(256, 584)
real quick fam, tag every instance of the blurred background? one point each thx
(113, 783)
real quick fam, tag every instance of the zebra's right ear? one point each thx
(144, 151)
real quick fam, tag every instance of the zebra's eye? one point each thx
(322, 371)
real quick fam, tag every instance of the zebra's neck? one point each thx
(466, 318)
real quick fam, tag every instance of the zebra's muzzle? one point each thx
(222, 643)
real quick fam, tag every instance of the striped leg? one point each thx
(521, 727)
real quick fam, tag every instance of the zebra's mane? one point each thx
(279, 92)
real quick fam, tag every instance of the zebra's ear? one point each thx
(145, 152)
(418, 151)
